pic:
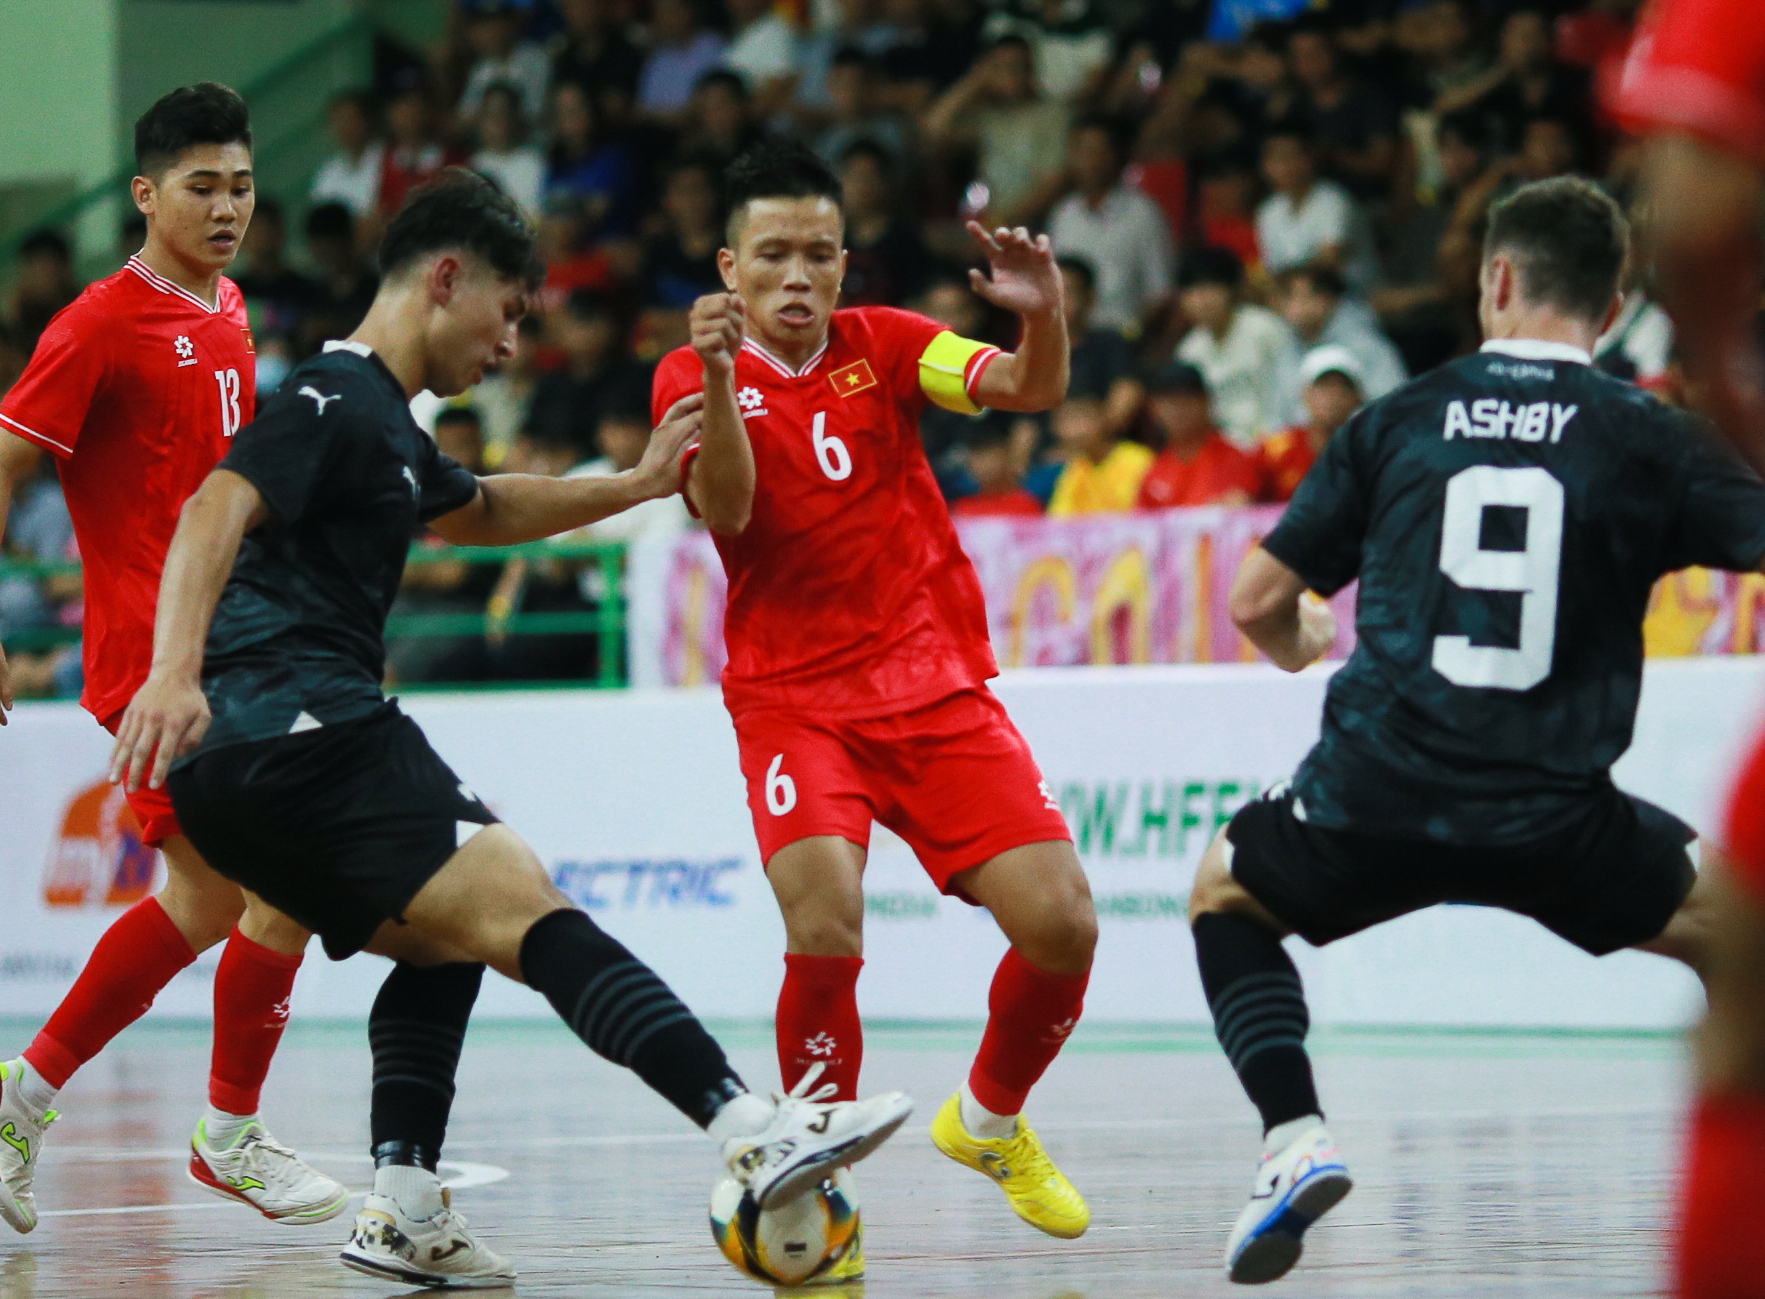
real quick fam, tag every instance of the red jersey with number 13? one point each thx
(137, 387)
(849, 594)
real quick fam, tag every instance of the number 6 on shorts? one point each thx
(781, 790)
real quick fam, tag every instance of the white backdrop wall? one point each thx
(634, 802)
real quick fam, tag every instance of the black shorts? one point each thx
(337, 827)
(1611, 879)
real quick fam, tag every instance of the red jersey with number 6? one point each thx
(849, 594)
(137, 387)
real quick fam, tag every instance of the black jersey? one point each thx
(1507, 516)
(298, 639)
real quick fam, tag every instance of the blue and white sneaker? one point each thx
(1296, 1185)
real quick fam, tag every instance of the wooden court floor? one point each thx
(1508, 1165)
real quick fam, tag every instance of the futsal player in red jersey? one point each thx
(137, 389)
(858, 648)
(1695, 82)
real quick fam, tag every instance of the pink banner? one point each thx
(1131, 588)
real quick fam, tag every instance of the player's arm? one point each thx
(1024, 281)
(512, 508)
(1270, 605)
(18, 461)
(168, 714)
(1707, 203)
(720, 480)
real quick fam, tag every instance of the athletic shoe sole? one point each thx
(1270, 1253)
(805, 1177)
(429, 1280)
(198, 1171)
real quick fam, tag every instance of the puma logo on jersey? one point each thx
(752, 401)
(1490, 418)
(320, 399)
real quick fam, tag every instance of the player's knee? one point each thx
(831, 931)
(1214, 889)
(204, 911)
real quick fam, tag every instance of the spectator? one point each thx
(346, 285)
(493, 30)
(1102, 361)
(852, 26)
(505, 394)
(1525, 82)
(277, 295)
(763, 48)
(885, 257)
(1639, 345)
(623, 434)
(39, 616)
(567, 403)
(1019, 134)
(593, 49)
(1307, 220)
(1070, 39)
(952, 303)
(504, 153)
(589, 176)
(719, 121)
(856, 113)
(1235, 344)
(1331, 384)
(351, 175)
(993, 464)
(1314, 303)
(1234, 19)
(1103, 473)
(414, 152)
(680, 262)
(1197, 465)
(1114, 227)
(45, 283)
(934, 46)
(1354, 124)
(682, 50)
(1226, 206)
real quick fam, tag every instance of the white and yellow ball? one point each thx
(793, 1243)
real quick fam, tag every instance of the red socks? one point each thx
(137, 956)
(818, 1021)
(1718, 1255)
(251, 990)
(1032, 1012)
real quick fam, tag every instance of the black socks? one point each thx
(617, 1005)
(1259, 1014)
(416, 1029)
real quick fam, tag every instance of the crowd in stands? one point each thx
(1266, 212)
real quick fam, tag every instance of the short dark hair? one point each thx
(1110, 127)
(330, 221)
(1290, 128)
(47, 243)
(777, 168)
(727, 78)
(206, 113)
(1326, 280)
(1568, 240)
(1469, 125)
(1081, 269)
(460, 209)
(865, 147)
(459, 415)
(1211, 264)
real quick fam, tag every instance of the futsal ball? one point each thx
(792, 1243)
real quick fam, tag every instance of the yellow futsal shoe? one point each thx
(1038, 1191)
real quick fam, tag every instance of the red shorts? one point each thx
(954, 779)
(152, 807)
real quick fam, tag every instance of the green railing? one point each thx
(606, 622)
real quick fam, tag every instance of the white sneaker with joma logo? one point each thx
(1295, 1186)
(810, 1135)
(440, 1251)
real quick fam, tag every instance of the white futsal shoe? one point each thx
(21, 1136)
(1296, 1185)
(810, 1136)
(260, 1171)
(440, 1251)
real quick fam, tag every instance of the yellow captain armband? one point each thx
(947, 370)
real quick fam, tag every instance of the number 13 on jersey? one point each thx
(231, 418)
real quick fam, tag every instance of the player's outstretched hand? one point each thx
(718, 322)
(659, 470)
(1025, 280)
(165, 718)
(5, 687)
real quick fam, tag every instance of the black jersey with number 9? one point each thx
(1507, 516)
